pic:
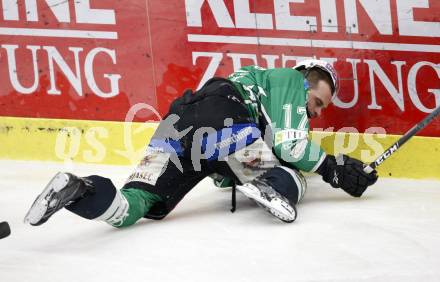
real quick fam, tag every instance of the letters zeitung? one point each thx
(395, 22)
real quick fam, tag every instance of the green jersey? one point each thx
(279, 96)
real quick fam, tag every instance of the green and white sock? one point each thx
(128, 207)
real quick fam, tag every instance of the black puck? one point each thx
(5, 230)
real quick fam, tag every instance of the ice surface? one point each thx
(390, 234)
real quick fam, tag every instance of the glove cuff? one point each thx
(324, 168)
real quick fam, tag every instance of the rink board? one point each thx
(99, 61)
(109, 62)
(119, 143)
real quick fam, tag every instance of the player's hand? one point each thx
(346, 173)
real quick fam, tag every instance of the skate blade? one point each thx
(40, 205)
(282, 210)
(277, 207)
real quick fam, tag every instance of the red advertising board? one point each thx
(74, 59)
(96, 59)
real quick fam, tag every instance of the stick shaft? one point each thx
(410, 133)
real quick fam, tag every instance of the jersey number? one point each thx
(287, 108)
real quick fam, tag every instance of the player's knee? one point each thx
(288, 182)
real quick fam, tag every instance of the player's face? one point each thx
(319, 98)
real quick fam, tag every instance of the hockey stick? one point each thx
(410, 133)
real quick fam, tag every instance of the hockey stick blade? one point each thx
(399, 143)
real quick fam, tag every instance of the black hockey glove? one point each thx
(346, 173)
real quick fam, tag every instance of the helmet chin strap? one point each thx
(306, 74)
(307, 110)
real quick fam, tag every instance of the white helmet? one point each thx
(328, 68)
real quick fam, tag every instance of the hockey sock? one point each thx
(96, 202)
(119, 208)
(128, 207)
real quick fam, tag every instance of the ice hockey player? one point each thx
(251, 128)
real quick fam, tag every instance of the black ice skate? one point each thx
(63, 189)
(269, 199)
